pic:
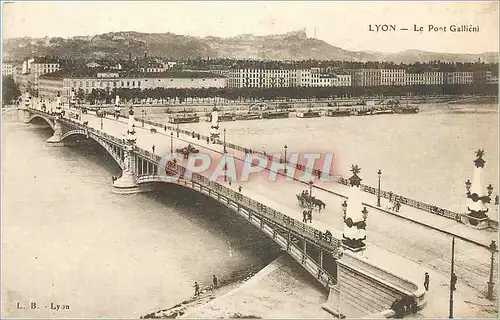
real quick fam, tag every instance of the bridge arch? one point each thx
(46, 119)
(106, 145)
(293, 243)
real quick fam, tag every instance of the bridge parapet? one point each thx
(321, 238)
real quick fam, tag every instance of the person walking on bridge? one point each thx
(153, 148)
(426, 282)
(239, 189)
(196, 289)
(214, 280)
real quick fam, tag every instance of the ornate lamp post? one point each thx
(493, 248)
(286, 147)
(310, 188)
(171, 142)
(355, 215)
(477, 199)
(378, 194)
(101, 123)
(225, 151)
(143, 113)
(177, 130)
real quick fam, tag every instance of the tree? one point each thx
(10, 90)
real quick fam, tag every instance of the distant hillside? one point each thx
(289, 46)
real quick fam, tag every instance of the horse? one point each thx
(318, 203)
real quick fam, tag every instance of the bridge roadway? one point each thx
(387, 235)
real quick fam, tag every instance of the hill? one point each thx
(289, 46)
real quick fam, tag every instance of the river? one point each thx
(68, 240)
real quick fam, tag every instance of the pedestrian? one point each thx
(496, 199)
(426, 281)
(214, 280)
(196, 289)
(153, 148)
(390, 196)
(305, 214)
(239, 189)
(310, 215)
(165, 128)
(398, 205)
(229, 180)
(454, 281)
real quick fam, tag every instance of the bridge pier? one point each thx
(23, 115)
(127, 183)
(56, 139)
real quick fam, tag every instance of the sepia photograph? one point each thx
(249, 159)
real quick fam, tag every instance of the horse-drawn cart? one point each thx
(307, 201)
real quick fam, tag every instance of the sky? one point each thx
(343, 24)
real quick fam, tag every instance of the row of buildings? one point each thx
(316, 77)
(48, 77)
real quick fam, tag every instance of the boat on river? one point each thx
(308, 114)
(184, 118)
(248, 116)
(344, 112)
(275, 114)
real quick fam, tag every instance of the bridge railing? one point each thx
(325, 239)
(315, 172)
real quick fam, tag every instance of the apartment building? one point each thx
(392, 77)
(459, 77)
(258, 78)
(365, 77)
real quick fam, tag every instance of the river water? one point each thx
(67, 239)
(426, 156)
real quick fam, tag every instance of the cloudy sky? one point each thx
(343, 24)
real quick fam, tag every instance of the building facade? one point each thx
(258, 78)
(365, 77)
(459, 77)
(392, 77)
(51, 84)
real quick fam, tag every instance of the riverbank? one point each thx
(282, 289)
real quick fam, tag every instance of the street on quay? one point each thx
(394, 237)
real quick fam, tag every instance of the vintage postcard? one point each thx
(260, 159)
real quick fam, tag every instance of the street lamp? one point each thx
(171, 142)
(286, 147)
(177, 130)
(490, 190)
(310, 188)
(493, 248)
(101, 123)
(467, 186)
(344, 207)
(378, 195)
(143, 114)
(225, 151)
